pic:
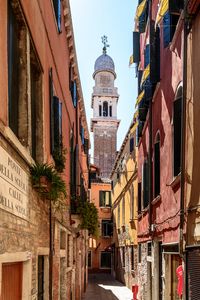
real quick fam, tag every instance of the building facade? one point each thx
(42, 117)
(100, 249)
(192, 140)
(158, 54)
(124, 208)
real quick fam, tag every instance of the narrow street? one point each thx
(105, 287)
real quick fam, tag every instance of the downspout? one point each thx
(51, 250)
(183, 130)
(150, 135)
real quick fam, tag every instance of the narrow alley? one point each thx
(105, 287)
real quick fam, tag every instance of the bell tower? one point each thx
(104, 123)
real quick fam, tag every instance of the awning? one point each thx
(139, 98)
(145, 74)
(131, 61)
(133, 129)
(163, 8)
(140, 9)
(135, 115)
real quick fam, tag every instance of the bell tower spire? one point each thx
(104, 123)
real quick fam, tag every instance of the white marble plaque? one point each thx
(13, 186)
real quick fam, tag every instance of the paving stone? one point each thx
(105, 287)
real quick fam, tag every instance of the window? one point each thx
(57, 10)
(40, 277)
(89, 259)
(74, 92)
(139, 253)
(118, 214)
(123, 257)
(100, 110)
(123, 211)
(139, 197)
(36, 105)
(16, 36)
(25, 107)
(107, 227)
(131, 202)
(169, 27)
(149, 249)
(145, 183)
(110, 111)
(62, 239)
(105, 109)
(105, 198)
(132, 258)
(131, 144)
(69, 250)
(105, 260)
(177, 125)
(157, 166)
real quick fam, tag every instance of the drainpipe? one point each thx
(150, 137)
(51, 250)
(183, 130)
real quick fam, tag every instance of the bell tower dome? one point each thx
(104, 123)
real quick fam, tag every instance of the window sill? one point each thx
(143, 212)
(156, 200)
(175, 181)
(15, 143)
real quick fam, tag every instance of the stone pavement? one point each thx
(105, 287)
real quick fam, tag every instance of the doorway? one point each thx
(12, 281)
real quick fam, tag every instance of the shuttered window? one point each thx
(147, 55)
(169, 27)
(57, 10)
(105, 198)
(136, 47)
(157, 167)
(154, 53)
(145, 184)
(13, 69)
(131, 144)
(123, 211)
(177, 135)
(139, 197)
(74, 93)
(57, 119)
(131, 202)
(132, 258)
(193, 274)
(107, 228)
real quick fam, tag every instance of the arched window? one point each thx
(177, 125)
(105, 109)
(100, 110)
(110, 111)
(157, 166)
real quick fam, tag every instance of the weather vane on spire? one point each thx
(105, 42)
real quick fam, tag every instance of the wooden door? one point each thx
(12, 281)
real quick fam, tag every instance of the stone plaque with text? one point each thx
(13, 186)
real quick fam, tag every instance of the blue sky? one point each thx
(114, 18)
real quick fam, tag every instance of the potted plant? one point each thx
(46, 180)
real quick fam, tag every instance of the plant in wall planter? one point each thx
(89, 216)
(59, 159)
(46, 180)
